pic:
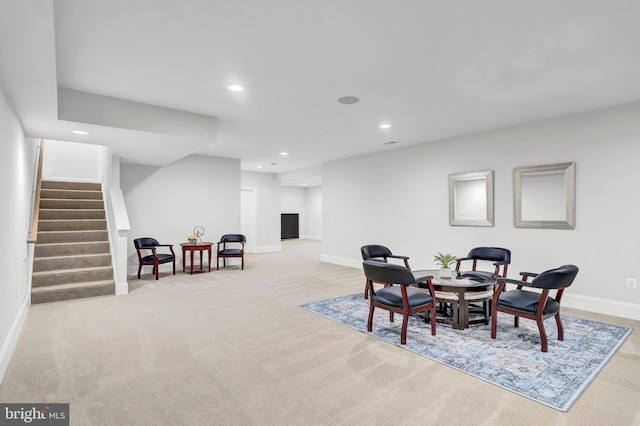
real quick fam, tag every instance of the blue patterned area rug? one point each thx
(513, 361)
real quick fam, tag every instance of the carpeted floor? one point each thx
(232, 347)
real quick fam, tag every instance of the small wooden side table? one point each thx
(191, 247)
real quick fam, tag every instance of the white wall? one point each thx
(314, 213)
(70, 161)
(17, 173)
(166, 203)
(268, 209)
(407, 209)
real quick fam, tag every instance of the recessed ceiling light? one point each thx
(304, 184)
(284, 154)
(385, 126)
(348, 100)
(259, 167)
(80, 132)
(236, 88)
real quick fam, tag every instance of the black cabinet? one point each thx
(289, 227)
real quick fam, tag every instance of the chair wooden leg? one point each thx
(217, 263)
(139, 269)
(543, 335)
(494, 324)
(560, 328)
(370, 320)
(390, 316)
(403, 332)
(242, 263)
(516, 321)
(433, 320)
(174, 266)
(366, 289)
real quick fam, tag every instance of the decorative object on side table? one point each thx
(196, 236)
(444, 260)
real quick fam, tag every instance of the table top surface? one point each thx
(196, 245)
(453, 281)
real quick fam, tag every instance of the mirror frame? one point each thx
(569, 198)
(487, 176)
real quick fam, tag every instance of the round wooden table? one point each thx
(459, 292)
(192, 247)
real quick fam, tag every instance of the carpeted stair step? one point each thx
(54, 203)
(54, 263)
(72, 291)
(70, 194)
(64, 214)
(72, 225)
(66, 249)
(86, 186)
(76, 275)
(71, 236)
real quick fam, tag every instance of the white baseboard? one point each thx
(602, 306)
(122, 288)
(585, 303)
(10, 343)
(311, 237)
(341, 261)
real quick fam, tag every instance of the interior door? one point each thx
(248, 216)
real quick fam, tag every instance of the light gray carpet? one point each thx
(231, 347)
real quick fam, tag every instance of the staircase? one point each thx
(72, 259)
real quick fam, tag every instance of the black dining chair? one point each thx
(533, 304)
(155, 259)
(481, 259)
(498, 257)
(383, 254)
(230, 246)
(398, 295)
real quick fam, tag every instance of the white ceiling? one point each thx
(431, 69)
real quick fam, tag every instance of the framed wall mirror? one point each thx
(544, 196)
(471, 198)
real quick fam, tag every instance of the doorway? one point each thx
(248, 214)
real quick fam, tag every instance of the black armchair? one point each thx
(401, 298)
(533, 305)
(230, 245)
(481, 257)
(500, 257)
(155, 259)
(380, 253)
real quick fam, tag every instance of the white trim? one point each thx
(122, 288)
(12, 338)
(311, 237)
(341, 261)
(602, 306)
